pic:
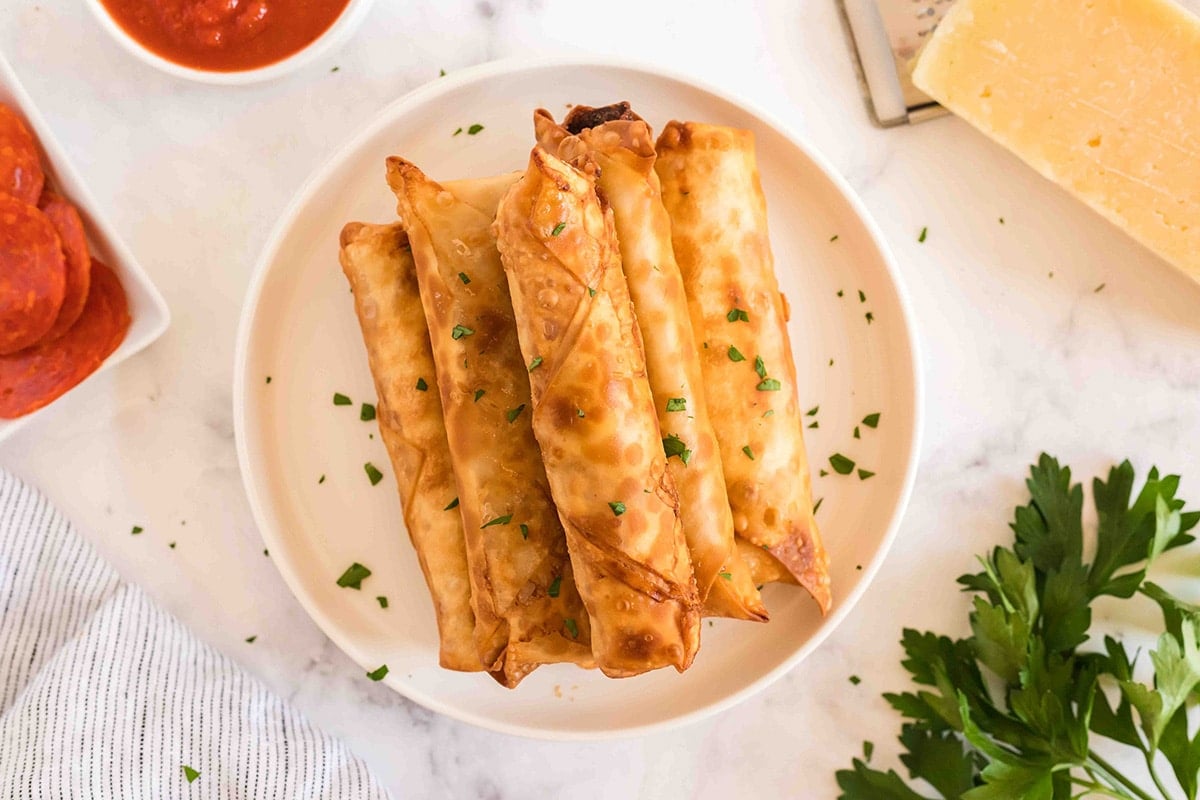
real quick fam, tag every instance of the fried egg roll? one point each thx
(623, 149)
(711, 189)
(527, 609)
(594, 418)
(378, 263)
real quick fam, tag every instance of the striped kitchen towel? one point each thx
(105, 695)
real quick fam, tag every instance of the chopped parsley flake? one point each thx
(814, 424)
(618, 508)
(770, 412)
(760, 367)
(841, 293)
(321, 479)
(1099, 288)
(524, 531)
(459, 331)
(863, 474)
(862, 296)
(457, 132)
(422, 386)
(451, 505)
(868, 750)
(871, 420)
(870, 317)
(340, 399)
(572, 627)
(504, 520)
(817, 505)
(735, 354)
(854, 679)
(924, 234)
(726, 575)
(676, 404)
(353, 577)
(474, 129)
(379, 674)
(833, 238)
(441, 73)
(579, 413)
(268, 379)
(559, 228)
(478, 394)
(555, 585)
(674, 446)
(250, 639)
(841, 465)
(749, 451)
(591, 292)
(823, 473)
(769, 385)
(812, 412)
(367, 412)
(171, 545)
(856, 433)
(190, 774)
(383, 601)
(136, 530)
(737, 315)
(464, 277)
(512, 414)
(373, 473)
(537, 362)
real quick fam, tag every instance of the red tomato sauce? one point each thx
(225, 35)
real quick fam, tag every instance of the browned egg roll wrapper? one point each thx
(764, 567)
(711, 189)
(527, 609)
(379, 265)
(623, 150)
(594, 418)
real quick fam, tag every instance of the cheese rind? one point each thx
(1099, 96)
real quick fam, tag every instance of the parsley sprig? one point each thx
(1016, 709)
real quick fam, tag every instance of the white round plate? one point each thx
(298, 328)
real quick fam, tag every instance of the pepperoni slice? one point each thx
(32, 274)
(66, 221)
(20, 168)
(34, 377)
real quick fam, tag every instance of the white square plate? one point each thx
(147, 308)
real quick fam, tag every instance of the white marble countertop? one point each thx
(1021, 355)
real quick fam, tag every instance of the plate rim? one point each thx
(480, 72)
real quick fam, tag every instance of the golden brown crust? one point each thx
(378, 263)
(711, 189)
(594, 418)
(527, 609)
(622, 147)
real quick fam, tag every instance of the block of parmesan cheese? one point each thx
(1099, 96)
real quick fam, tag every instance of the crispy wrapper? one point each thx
(623, 149)
(527, 609)
(710, 187)
(379, 265)
(594, 418)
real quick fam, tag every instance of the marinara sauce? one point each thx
(225, 35)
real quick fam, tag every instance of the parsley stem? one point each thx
(1114, 777)
(1094, 787)
(1154, 773)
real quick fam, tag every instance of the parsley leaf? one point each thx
(1018, 709)
(841, 465)
(735, 354)
(353, 577)
(459, 331)
(367, 413)
(674, 446)
(737, 315)
(555, 586)
(373, 473)
(340, 399)
(618, 508)
(559, 228)
(378, 674)
(190, 774)
(676, 404)
(504, 520)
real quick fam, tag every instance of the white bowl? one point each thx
(298, 327)
(147, 309)
(337, 33)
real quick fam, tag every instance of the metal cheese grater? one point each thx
(886, 34)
